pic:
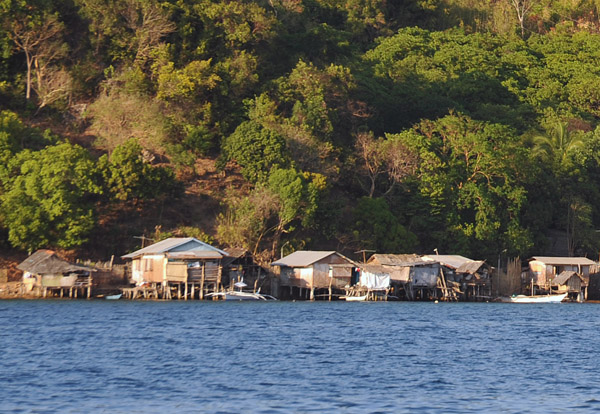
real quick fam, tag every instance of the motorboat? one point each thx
(537, 298)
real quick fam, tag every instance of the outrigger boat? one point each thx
(239, 295)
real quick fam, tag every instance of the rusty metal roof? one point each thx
(564, 276)
(304, 258)
(471, 267)
(557, 261)
(47, 262)
(453, 261)
(190, 245)
(396, 260)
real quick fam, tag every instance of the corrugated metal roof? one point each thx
(376, 269)
(470, 267)
(584, 261)
(47, 262)
(564, 276)
(395, 259)
(172, 243)
(235, 252)
(304, 258)
(194, 254)
(450, 260)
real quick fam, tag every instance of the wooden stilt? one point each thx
(202, 281)
(186, 291)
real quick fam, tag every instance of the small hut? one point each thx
(470, 279)
(305, 272)
(44, 272)
(572, 283)
(184, 265)
(543, 270)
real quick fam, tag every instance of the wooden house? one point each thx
(305, 272)
(467, 278)
(44, 272)
(572, 283)
(182, 264)
(543, 270)
(410, 275)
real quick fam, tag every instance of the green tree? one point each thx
(287, 202)
(256, 150)
(375, 227)
(50, 200)
(471, 173)
(129, 176)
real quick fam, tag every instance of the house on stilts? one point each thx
(546, 272)
(182, 267)
(410, 277)
(307, 274)
(46, 274)
(466, 279)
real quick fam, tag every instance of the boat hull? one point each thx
(538, 299)
(355, 298)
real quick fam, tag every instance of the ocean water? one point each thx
(78, 356)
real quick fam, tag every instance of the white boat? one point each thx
(238, 295)
(354, 298)
(113, 297)
(537, 298)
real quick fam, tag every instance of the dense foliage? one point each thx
(469, 127)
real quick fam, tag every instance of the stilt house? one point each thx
(306, 271)
(44, 272)
(543, 270)
(471, 279)
(410, 276)
(178, 263)
(572, 283)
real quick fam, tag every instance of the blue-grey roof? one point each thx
(179, 246)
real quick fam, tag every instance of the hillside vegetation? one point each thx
(466, 126)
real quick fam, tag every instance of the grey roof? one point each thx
(47, 262)
(233, 254)
(450, 260)
(304, 258)
(397, 260)
(471, 267)
(574, 261)
(564, 276)
(190, 245)
(376, 269)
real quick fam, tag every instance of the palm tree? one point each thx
(556, 146)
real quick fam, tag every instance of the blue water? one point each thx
(153, 357)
